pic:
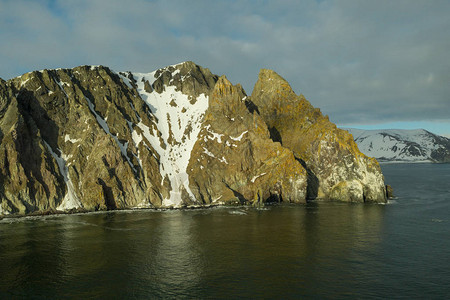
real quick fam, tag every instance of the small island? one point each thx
(90, 138)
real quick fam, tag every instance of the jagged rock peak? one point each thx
(191, 67)
(234, 159)
(224, 87)
(227, 98)
(334, 163)
(187, 77)
(270, 81)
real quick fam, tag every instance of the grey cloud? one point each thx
(359, 61)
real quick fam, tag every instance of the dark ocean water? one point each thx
(318, 250)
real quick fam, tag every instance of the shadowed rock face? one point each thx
(27, 175)
(92, 139)
(68, 159)
(337, 169)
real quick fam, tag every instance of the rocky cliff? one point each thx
(337, 169)
(90, 138)
(235, 157)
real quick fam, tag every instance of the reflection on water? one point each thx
(277, 252)
(174, 263)
(325, 250)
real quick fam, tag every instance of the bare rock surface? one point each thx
(234, 159)
(90, 138)
(337, 169)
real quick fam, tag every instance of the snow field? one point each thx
(179, 129)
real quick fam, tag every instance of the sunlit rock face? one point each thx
(337, 169)
(90, 138)
(234, 159)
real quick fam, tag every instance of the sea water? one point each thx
(317, 250)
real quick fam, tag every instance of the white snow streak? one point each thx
(215, 135)
(239, 138)
(70, 199)
(22, 83)
(257, 176)
(73, 141)
(125, 79)
(104, 125)
(223, 160)
(61, 84)
(208, 153)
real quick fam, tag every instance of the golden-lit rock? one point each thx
(330, 155)
(90, 138)
(234, 159)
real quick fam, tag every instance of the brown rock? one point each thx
(88, 138)
(234, 159)
(330, 155)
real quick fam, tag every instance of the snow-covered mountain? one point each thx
(416, 145)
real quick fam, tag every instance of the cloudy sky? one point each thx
(367, 64)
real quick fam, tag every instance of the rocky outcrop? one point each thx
(234, 159)
(27, 174)
(72, 157)
(90, 138)
(337, 169)
(389, 192)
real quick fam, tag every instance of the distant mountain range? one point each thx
(388, 145)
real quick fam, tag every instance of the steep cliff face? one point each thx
(27, 174)
(234, 159)
(337, 169)
(74, 144)
(93, 139)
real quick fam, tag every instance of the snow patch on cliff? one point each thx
(102, 122)
(70, 199)
(61, 86)
(73, 141)
(24, 82)
(257, 176)
(239, 138)
(178, 123)
(214, 135)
